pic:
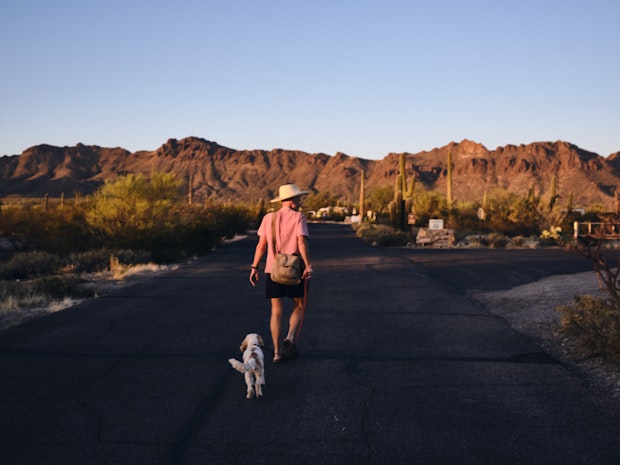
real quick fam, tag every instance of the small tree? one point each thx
(510, 214)
(429, 204)
(380, 198)
(320, 200)
(137, 212)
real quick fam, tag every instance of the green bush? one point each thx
(40, 291)
(26, 265)
(54, 229)
(379, 234)
(59, 287)
(139, 213)
(498, 240)
(12, 289)
(595, 323)
(99, 260)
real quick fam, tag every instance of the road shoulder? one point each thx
(531, 310)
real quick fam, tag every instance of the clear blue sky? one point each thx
(362, 77)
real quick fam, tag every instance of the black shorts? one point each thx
(274, 290)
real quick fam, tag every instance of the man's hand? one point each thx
(253, 276)
(307, 274)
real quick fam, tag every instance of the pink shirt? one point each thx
(289, 226)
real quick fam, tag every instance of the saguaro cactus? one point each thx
(362, 195)
(449, 182)
(403, 196)
(553, 195)
(190, 190)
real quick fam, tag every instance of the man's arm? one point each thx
(261, 248)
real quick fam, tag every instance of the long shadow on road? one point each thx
(397, 366)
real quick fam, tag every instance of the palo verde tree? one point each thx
(380, 198)
(138, 212)
(319, 200)
(510, 214)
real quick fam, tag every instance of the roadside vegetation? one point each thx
(594, 321)
(500, 219)
(49, 247)
(512, 221)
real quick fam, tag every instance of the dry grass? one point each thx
(12, 303)
(19, 306)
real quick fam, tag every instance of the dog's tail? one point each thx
(250, 365)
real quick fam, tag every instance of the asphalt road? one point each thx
(397, 366)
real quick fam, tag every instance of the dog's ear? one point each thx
(260, 341)
(244, 345)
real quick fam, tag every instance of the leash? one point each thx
(303, 308)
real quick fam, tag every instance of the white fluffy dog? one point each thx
(253, 366)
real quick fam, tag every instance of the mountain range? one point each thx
(247, 175)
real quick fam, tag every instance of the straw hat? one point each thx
(287, 192)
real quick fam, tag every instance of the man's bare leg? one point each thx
(275, 325)
(295, 319)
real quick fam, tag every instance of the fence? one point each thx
(610, 231)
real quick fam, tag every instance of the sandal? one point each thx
(277, 358)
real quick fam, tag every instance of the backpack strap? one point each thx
(274, 249)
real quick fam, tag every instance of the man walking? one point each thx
(291, 235)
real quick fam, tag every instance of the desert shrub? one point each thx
(40, 291)
(379, 234)
(200, 229)
(136, 212)
(198, 235)
(498, 240)
(380, 198)
(429, 204)
(90, 261)
(26, 265)
(18, 295)
(57, 230)
(99, 259)
(464, 216)
(139, 213)
(228, 219)
(319, 200)
(59, 287)
(476, 240)
(595, 323)
(10, 289)
(61, 231)
(510, 214)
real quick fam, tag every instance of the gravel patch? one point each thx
(531, 310)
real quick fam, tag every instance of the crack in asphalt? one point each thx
(203, 410)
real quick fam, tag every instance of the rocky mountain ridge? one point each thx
(248, 175)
